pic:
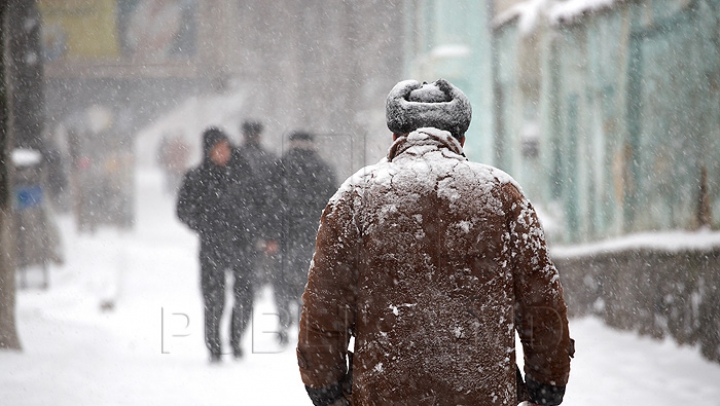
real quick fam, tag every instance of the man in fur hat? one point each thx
(431, 263)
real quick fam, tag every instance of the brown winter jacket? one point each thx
(432, 262)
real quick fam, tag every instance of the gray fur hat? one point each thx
(411, 105)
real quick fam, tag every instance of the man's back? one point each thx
(432, 263)
(422, 246)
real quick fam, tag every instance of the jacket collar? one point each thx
(425, 137)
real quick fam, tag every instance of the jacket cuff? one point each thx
(543, 394)
(325, 396)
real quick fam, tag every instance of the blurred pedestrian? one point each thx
(173, 155)
(57, 179)
(213, 202)
(265, 225)
(431, 263)
(307, 182)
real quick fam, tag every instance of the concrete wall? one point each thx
(653, 292)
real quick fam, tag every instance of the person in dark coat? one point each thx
(265, 225)
(432, 263)
(212, 201)
(306, 183)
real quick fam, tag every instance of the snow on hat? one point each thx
(411, 105)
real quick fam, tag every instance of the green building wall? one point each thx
(610, 119)
(582, 121)
(675, 123)
(451, 39)
(635, 118)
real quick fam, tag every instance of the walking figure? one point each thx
(432, 263)
(307, 182)
(214, 202)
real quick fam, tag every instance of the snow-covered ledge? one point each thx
(22, 157)
(571, 10)
(664, 284)
(668, 241)
(528, 13)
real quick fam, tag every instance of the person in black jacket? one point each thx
(306, 184)
(265, 225)
(214, 202)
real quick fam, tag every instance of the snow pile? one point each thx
(530, 12)
(671, 241)
(450, 51)
(22, 157)
(569, 11)
(527, 13)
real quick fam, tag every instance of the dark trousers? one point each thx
(285, 296)
(291, 278)
(213, 266)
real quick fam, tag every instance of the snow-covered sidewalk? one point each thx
(149, 349)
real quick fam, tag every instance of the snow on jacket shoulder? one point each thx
(432, 262)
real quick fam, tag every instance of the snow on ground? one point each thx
(149, 350)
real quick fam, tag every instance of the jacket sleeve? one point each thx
(540, 311)
(328, 315)
(188, 209)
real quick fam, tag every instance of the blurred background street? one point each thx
(149, 349)
(605, 111)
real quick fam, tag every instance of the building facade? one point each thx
(607, 112)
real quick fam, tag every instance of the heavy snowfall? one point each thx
(122, 325)
(587, 104)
